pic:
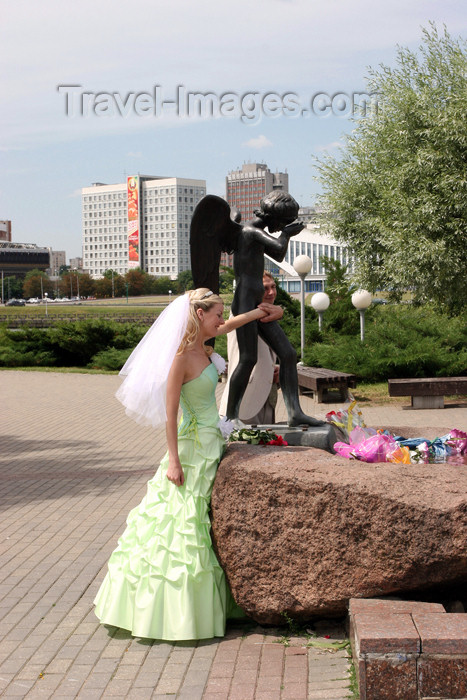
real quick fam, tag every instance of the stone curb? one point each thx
(408, 650)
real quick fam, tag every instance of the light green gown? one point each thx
(164, 581)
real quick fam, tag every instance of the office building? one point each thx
(76, 263)
(16, 259)
(5, 230)
(316, 243)
(143, 222)
(57, 260)
(246, 187)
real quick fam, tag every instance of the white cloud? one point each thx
(259, 142)
(329, 146)
(75, 193)
(52, 43)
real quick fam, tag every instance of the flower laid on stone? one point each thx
(347, 418)
(458, 441)
(256, 436)
(370, 445)
(279, 440)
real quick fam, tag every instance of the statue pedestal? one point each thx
(301, 531)
(322, 437)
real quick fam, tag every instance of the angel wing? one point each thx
(212, 231)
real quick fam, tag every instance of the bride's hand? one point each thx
(273, 311)
(175, 473)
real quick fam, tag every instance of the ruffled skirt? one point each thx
(164, 580)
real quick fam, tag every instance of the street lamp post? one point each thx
(46, 299)
(302, 266)
(320, 302)
(361, 299)
(77, 284)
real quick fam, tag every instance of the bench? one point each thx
(317, 381)
(428, 393)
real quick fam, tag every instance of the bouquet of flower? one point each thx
(256, 436)
(457, 440)
(347, 419)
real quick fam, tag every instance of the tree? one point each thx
(36, 284)
(341, 315)
(68, 285)
(162, 285)
(184, 281)
(138, 282)
(117, 281)
(12, 287)
(103, 288)
(398, 193)
(226, 279)
(86, 285)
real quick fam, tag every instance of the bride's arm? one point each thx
(237, 321)
(174, 387)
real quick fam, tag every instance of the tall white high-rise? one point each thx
(143, 222)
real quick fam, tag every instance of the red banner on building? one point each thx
(133, 222)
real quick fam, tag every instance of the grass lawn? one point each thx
(136, 306)
(376, 394)
(95, 308)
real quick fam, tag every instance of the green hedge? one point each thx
(76, 344)
(400, 341)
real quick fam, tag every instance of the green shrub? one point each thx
(128, 335)
(110, 359)
(400, 341)
(67, 344)
(13, 357)
(76, 343)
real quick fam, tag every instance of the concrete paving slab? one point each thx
(72, 465)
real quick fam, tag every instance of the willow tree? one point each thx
(398, 192)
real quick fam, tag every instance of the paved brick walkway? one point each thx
(72, 466)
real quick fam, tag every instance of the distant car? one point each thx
(379, 301)
(33, 300)
(16, 302)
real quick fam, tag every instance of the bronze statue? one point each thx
(213, 230)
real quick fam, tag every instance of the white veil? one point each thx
(143, 391)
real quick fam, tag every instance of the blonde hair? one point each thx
(203, 299)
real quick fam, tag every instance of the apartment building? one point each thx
(143, 222)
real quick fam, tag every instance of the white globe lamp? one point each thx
(320, 302)
(361, 299)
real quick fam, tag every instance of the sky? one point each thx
(85, 87)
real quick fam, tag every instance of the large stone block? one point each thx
(300, 531)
